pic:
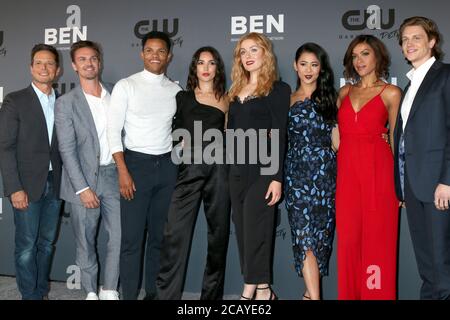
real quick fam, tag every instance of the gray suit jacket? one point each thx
(78, 143)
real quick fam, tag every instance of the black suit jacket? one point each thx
(427, 135)
(25, 153)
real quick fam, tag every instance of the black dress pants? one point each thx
(154, 177)
(196, 182)
(254, 223)
(430, 234)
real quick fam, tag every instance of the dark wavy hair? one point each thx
(325, 94)
(219, 79)
(381, 54)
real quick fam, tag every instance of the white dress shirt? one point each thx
(99, 107)
(143, 105)
(416, 77)
(48, 108)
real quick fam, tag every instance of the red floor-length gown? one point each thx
(366, 204)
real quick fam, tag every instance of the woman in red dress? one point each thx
(366, 204)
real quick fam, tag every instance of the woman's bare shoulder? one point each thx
(344, 90)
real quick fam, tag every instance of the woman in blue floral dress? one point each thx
(310, 166)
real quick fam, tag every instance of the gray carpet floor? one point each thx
(59, 291)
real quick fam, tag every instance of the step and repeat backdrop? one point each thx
(119, 26)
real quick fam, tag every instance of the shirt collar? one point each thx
(421, 70)
(152, 77)
(102, 94)
(41, 94)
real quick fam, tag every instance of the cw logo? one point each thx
(143, 27)
(372, 18)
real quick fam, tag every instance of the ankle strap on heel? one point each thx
(273, 296)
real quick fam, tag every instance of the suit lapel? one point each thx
(36, 108)
(404, 94)
(85, 112)
(399, 121)
(54, 142)
(423, 89)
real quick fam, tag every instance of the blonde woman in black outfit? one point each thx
(258, 102)
(205, 101)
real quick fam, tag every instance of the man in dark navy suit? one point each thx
(31, 170)
(422, 154)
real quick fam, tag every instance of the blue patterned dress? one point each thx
(310, 184)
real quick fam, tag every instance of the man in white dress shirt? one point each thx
(142, 108)
(89, 181)
(422, 154)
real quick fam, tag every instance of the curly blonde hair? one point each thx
(268, 74)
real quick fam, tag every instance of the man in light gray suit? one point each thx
(89, 178)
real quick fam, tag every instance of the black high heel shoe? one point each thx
(273, 296)
(247, 298)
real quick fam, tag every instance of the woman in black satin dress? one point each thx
(203, 103)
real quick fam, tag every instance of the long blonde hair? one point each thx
(266, 77)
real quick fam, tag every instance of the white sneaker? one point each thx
(92, 296)
(108, 294)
